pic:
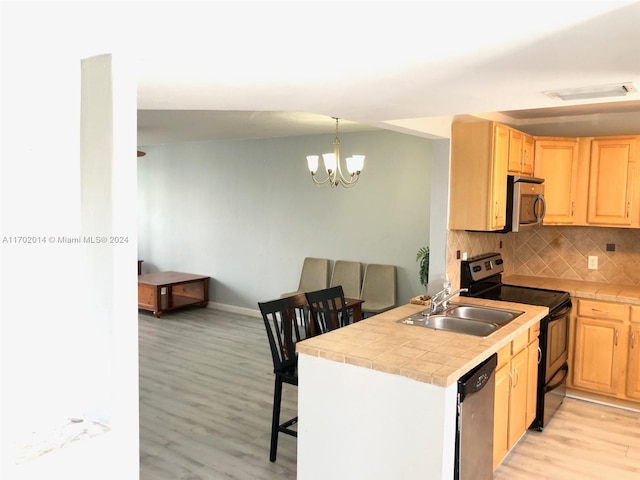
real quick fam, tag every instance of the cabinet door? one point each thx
(533, 353)
(478, 176)
(611, 180)
(521, 153)
(501, 415)
(557, 163)
(518, 397)
(516, 154)
(499, 176)
(597, 362)
(633, 365)
(528, 152)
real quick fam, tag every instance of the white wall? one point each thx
(59, 357)
(439, 218)
(246, 212)
(380, 426)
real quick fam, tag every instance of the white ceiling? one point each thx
(212, 70)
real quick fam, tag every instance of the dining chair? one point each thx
(283, 332)
(328, 309)
(314, 276)
(348, 274)
(378, 289)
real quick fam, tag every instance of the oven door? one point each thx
(552, 396)
(556, 346)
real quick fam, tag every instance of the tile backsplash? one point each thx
(556, 252)
(475, 243)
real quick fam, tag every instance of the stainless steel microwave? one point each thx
(525, 203)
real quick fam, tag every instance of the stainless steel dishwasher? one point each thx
(474, 426)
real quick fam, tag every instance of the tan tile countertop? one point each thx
(609, 292)
(423, 354)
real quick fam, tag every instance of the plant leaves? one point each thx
(422, 257)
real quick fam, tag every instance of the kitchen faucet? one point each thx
(441, 299)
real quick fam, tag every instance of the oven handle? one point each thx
(564, 368)
(561, 313)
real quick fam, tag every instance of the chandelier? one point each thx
(335, 177)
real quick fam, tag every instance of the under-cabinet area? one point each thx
(588, 181)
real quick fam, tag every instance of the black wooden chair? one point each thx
(328, 309)
(286, 322)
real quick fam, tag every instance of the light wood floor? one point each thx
(206, 390)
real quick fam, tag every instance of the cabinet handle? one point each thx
(628, 208)
(517, 376)
(597, 310)
(497, 210)
(573, 208)
(633, 340)
(615, 342)
(539, 355)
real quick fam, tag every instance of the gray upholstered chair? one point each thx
(378, 289)
(314, 276)
(348, 274)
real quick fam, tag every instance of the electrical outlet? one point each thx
(593, 262)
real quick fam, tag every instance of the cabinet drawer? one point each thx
(534, 332)
(635, 314)
(519, 343)
(504, 355)
(597, 309)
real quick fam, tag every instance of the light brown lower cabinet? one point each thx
(606, 358)
(633, 364)
(533, 352)
(515, 399)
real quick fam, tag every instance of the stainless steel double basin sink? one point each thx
(463, 318)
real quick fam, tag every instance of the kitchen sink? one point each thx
(466, 319)
(460, 325)
(484, 314)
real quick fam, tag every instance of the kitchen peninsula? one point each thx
(377, 399)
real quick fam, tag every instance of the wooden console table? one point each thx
(162, 291)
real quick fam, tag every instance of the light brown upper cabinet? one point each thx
(613, 189)
(521, 153)
(478, 184)
(557, 163)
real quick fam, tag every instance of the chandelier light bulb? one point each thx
(329, 162)
(355, 163)
(312, 163)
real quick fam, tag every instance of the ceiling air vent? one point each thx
(598, 91)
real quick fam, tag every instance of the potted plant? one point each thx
(422, 257)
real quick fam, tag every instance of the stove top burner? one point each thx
(527, 295)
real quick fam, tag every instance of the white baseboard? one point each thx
(249, 312)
